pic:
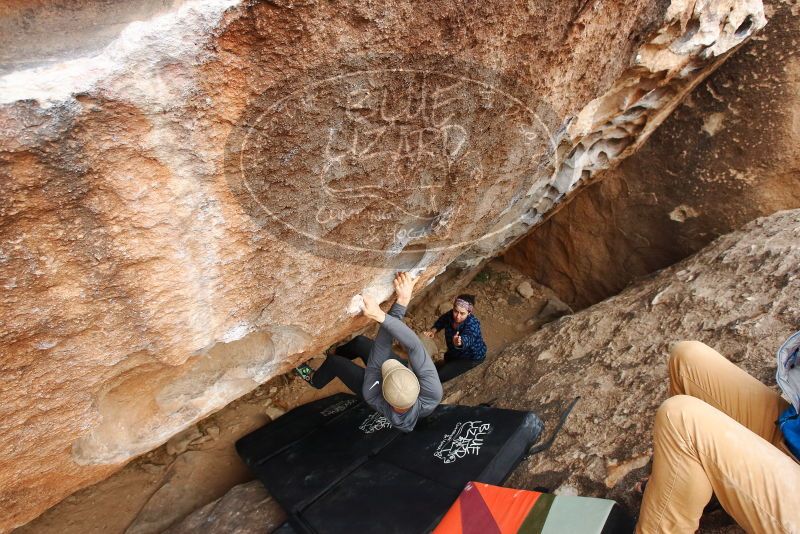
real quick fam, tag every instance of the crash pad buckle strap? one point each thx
(547, 444)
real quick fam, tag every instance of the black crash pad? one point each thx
(336, 466)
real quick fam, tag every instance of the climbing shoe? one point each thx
(305, 372)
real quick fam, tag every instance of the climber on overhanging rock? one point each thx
(402, 395)
(462, 332)
(724, 432)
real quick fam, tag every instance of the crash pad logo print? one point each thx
(373, 423)
(465, 439)
(339, 407)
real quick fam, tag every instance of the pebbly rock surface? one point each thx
(193, 192)
(728, 154)
(738, 295)
(245, 509)
(160, 489)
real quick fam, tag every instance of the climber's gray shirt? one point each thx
(430, 388)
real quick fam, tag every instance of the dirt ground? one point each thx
(160, 488)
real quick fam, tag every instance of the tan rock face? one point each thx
(737, 295)
(191, 209)
(727, 155)
(245, 509)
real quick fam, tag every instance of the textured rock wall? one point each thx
(246, 508)
(34, 33)
(737, 295)
(727, 155)
(190, 209)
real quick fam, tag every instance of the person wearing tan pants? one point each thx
(716, 433)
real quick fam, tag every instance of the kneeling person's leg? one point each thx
(453, 368)
(698, 370)
(697, 450)
(358, 347)
(342, 368)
